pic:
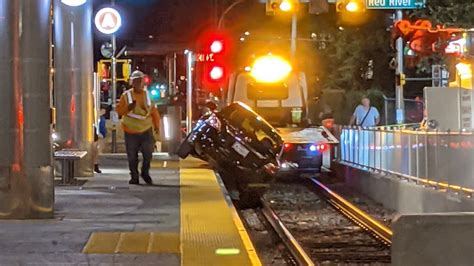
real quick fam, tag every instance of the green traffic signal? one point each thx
(157, 92)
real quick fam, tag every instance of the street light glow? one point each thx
(286, 6)
(270, 69)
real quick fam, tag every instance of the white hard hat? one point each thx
(137, 74)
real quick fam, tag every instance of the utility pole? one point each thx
(189, 91)
(227, 10)
(113, 69)
(400, 104)
(294, 33)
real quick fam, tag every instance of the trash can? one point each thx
(296, 114)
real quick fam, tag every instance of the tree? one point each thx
(350, 52)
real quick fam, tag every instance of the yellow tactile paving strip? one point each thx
(211, 232)
(132, 243)
(165, 164)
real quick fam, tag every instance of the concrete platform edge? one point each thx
(255, 260)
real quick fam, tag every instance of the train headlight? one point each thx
(270, 69)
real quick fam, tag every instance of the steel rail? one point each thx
(298, 253)
(360, 217)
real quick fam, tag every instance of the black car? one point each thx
(241, 145)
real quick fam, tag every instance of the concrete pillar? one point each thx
(73, 79)
(26, 176)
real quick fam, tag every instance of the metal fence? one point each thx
(441, 159)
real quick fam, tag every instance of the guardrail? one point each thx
(440, 159)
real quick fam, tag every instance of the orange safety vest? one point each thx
(138, 120)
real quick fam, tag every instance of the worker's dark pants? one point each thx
(134, 143)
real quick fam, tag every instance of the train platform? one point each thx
(185, 218)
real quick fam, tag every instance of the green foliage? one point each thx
(350, 52)
(343, 103)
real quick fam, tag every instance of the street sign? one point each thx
(394, 4)
(108, 20)
(204, 57)
(107, 50)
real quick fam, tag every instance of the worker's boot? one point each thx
(96, 169)
(134, 181)
(147, 179)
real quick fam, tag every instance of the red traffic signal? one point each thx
(216, 73)
(147, 80)
(213, 57)
(217, 46)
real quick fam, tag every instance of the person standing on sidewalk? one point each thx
(140, 119)
(99, 139)
(365, 115)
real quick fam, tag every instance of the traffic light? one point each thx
(216, 73)
(126, 70)
(217, 46)
(104, 69)
(147, 80)
(157, 92)
(352, 6)
(214, 59)
(275, 6)
(215, 70)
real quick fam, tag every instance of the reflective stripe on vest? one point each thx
(148, 99)
(130, 101)
(130, 97)
(139, 117)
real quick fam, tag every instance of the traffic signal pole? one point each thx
(294, 33)
(189, 91)
(113, 70)
(400, 104)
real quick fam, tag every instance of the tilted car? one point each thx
(241, 145)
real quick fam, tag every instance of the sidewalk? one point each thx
(106, 203)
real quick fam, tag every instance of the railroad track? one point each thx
(361, 218)
(299, 254)
(305, 245)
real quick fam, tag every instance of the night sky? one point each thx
(150, 25)
(165, 20)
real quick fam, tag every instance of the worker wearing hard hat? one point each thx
(139, 119)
